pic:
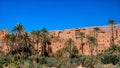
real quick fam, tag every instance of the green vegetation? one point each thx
(81, 36)
(22, 53)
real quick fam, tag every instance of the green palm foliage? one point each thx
(114, 49)
(45, 40)
(13, 41)
(66, 53)
(18, 29)
(36, 37)
(69, 50)
(82, 36)
(96, 30)
(19, 41)
(26, 46)
(92, 41)
(112, 23)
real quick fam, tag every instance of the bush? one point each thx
(81, 59)
(118, 63)
(114, 59)
(90, 62)
(4, 60)
(106, 59)
(42, 60)
(52, 62)
(110, 58)
(49, 61)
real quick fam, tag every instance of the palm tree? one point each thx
(18, 29)
(71, 48)
(81, 36)
(26, 43)
(113, 49)
(112, 23)
(13, 42)
(45, 40)
(69, 43)
(96, 31)
(36, 37)
(67, 52)
(25, 39)
(91, 41)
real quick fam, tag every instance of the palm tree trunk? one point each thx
(48, 50)
(91, 49)
(112, 26)
(82, 49)
(37, 47)
(8, 48)
(97, 42)
(43, 49)
(82, 44)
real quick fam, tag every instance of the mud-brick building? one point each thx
(104, 38)
(59, 37)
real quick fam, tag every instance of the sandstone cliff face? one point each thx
(59, 37)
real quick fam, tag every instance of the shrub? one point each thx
(106, 59)
(80, 59)
(5, 60)
(98, 64)
(118, 63)
(110, 58)
(90, 62)
(114, 59)
(42, 60)
(52, 62)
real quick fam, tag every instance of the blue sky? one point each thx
(58, 14)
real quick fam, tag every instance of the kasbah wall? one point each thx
(59, 37)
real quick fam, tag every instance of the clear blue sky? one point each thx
(58, 14)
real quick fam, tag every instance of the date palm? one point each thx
(13, 42)
(70, 47)
(18, 29)
(67, 52)
(112, 23)
(81, 36)
(96, 31)
(26, 44)
(36, 37)
(45, 40)
(92, 41)
(113, 49)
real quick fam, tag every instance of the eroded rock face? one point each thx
(58, 38)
